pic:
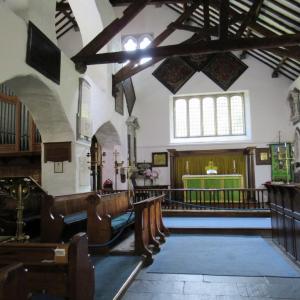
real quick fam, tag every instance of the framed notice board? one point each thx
(281, 158)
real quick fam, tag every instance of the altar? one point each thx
(225, 181)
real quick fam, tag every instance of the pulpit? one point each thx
(226, 181)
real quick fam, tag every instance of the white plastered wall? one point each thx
(100, 80)
(268, 106)
(43, 97)
(38, 92)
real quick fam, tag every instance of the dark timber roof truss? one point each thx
(268, 30)
(274, 17)
(64, 19)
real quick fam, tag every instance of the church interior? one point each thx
(149, 149)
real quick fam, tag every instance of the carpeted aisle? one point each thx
(223, 256)
(111, 272)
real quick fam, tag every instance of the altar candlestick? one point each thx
(187, 168)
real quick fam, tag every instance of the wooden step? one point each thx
(265, 232)
(216, 213)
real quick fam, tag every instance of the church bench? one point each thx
(161, 230)
(149, 229)
(107, 215)
(12, 282)
(61, 270)
(63, 216)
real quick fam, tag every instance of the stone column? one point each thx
(250, 152)
(172, 154)
(132, 126)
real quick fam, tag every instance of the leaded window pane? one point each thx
(208, 108)
(181, 118)
(237, 115)
(223, 127)
(195, 117)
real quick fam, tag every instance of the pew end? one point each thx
(63, 216)
(12, 282)
(63, 270)
(107, 215)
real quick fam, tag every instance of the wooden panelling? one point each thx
(60, 151)
(274, 221)
(281, 231)
(11, 166)
(289, 231)
(285, 216)
(297, 239)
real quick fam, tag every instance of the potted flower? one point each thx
(152, 175)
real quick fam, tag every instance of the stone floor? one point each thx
(204, 287)
(191, 287)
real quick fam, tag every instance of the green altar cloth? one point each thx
(228, 181)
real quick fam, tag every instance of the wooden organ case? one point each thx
(20, 140)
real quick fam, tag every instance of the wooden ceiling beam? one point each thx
(250, 17)
(156, 2)
(275, 73)
(206, 19)
(159, 39)
(67, 14)
(224, 19)
(65, 31)
(185, 27)
(243, 55)
(203, 47)
(260, 30)
(125, 72)
(112, 29)
(62, 6)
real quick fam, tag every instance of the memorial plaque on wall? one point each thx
(58, 151)
(42, 54)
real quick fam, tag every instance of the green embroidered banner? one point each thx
(281, 156)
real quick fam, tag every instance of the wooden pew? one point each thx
(12, 282)
(63, 216)
(142, 231)
(107, 215)
(161, 229)
(63, 270)
(149, 229)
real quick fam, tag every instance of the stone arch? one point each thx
(44, 105)
(107, 135)
(88, 19)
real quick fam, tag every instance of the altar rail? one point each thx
(208, 199)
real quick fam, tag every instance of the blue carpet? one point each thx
(221, 255)
(219, 222)
(110, 274)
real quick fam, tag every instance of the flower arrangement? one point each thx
(108, 184)
(151, 174)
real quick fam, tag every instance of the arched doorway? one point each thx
(107, 139)
(96, 165)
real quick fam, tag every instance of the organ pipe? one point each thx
(10, 116)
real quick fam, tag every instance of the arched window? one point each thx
(133, 42)
(209, 115)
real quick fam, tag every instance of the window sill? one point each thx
(212, 140)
